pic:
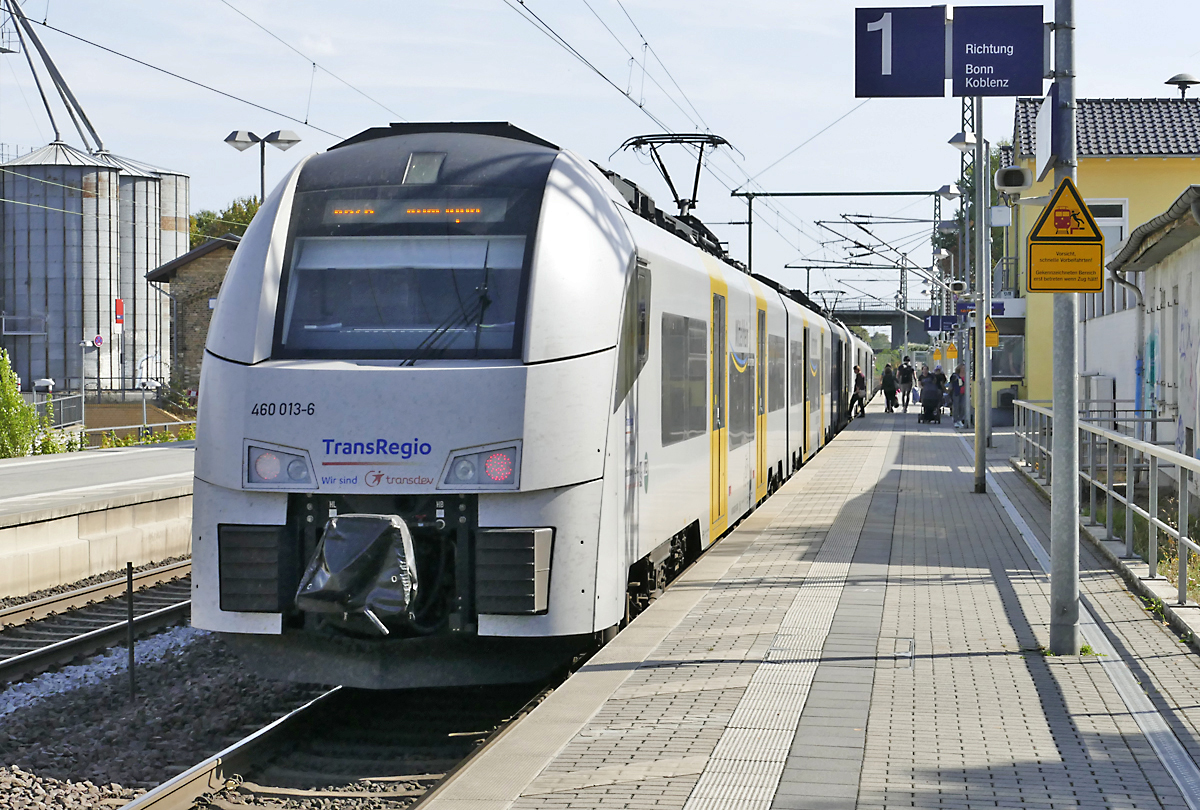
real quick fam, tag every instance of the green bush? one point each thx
(19, 429)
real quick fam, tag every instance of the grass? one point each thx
(1168, 555)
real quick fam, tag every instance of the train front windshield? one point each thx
(382, 272)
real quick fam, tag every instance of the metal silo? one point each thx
(168, 224)
(137, 229)
(59, 264)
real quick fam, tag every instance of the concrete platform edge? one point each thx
(98, 505)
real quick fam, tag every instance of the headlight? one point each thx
(491, 468)
(270, 466)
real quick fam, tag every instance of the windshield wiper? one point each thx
(474, 311)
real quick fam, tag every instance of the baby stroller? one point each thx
(931, 404)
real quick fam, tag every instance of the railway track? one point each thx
(59, 629)
(352, 746)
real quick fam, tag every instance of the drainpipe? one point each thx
(1140, 363)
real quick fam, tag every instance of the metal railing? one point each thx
(67, 410)
(1112, 464)
(144, 433)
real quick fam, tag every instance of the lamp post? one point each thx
(282, 139)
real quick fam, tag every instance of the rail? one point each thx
(37, 636)
(1113, 463)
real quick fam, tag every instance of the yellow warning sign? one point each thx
(937, 355)
(951, 351)
(1065, 247)
(1066, 218)
(992, 334)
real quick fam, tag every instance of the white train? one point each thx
(468, 402)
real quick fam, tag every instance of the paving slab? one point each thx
(871, 637)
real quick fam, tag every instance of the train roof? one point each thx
(496, 129)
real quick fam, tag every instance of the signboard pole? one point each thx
(1064, 502)
(982, 400)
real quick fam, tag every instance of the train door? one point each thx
(635, 348)
(719, 438)
(835, 384)
(812, 392)
(761, 367)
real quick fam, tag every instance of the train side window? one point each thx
(799, 364)
(635, 333)
(684, 377)
(776, 372)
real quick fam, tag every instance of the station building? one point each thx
(194, 280)
(1134, 157)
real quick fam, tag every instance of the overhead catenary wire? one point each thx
(172, 74)
(808, 140)
(316, 65)
(530, 16)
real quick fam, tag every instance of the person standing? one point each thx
(958, 396)
(905, 374)
(889, 389)
(860, 393)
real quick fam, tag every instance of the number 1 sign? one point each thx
(900, 52)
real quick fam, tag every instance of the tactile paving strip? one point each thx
(766, 717)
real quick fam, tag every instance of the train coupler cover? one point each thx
(364, 565)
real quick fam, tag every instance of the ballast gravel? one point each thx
(85, 744)
(96, 579)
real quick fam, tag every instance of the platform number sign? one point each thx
(900, 52)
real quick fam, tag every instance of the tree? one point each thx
(206, 224)
(18, 420)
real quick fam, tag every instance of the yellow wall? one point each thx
(1149, 184)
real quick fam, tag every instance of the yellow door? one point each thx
(760, 418)
(719, 436)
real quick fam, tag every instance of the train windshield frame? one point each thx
(407, 273)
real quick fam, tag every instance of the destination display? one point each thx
(390, 211)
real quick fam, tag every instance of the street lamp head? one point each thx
(950, 191)
(283, 139)
(941, 254)
(947, 226)
(241, 139)
(963, 141)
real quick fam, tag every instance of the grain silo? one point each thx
(59, 265)
(149, 228)
(79, 231)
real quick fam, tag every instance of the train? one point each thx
(470, 401)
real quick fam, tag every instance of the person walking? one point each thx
(942, 381)
(905, 374)
(860, 393)
(958, 396)
(889, 389)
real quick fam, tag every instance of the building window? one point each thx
(1008, 359)
(1112, 217)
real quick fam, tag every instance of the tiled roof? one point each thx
(166, 272)
(1121, 127)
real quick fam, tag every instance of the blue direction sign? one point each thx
(940, 323)
(900, 52)
(998, 51)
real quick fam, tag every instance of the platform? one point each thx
(870, 637)
(69, 516)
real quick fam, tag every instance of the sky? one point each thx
(766, 75)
